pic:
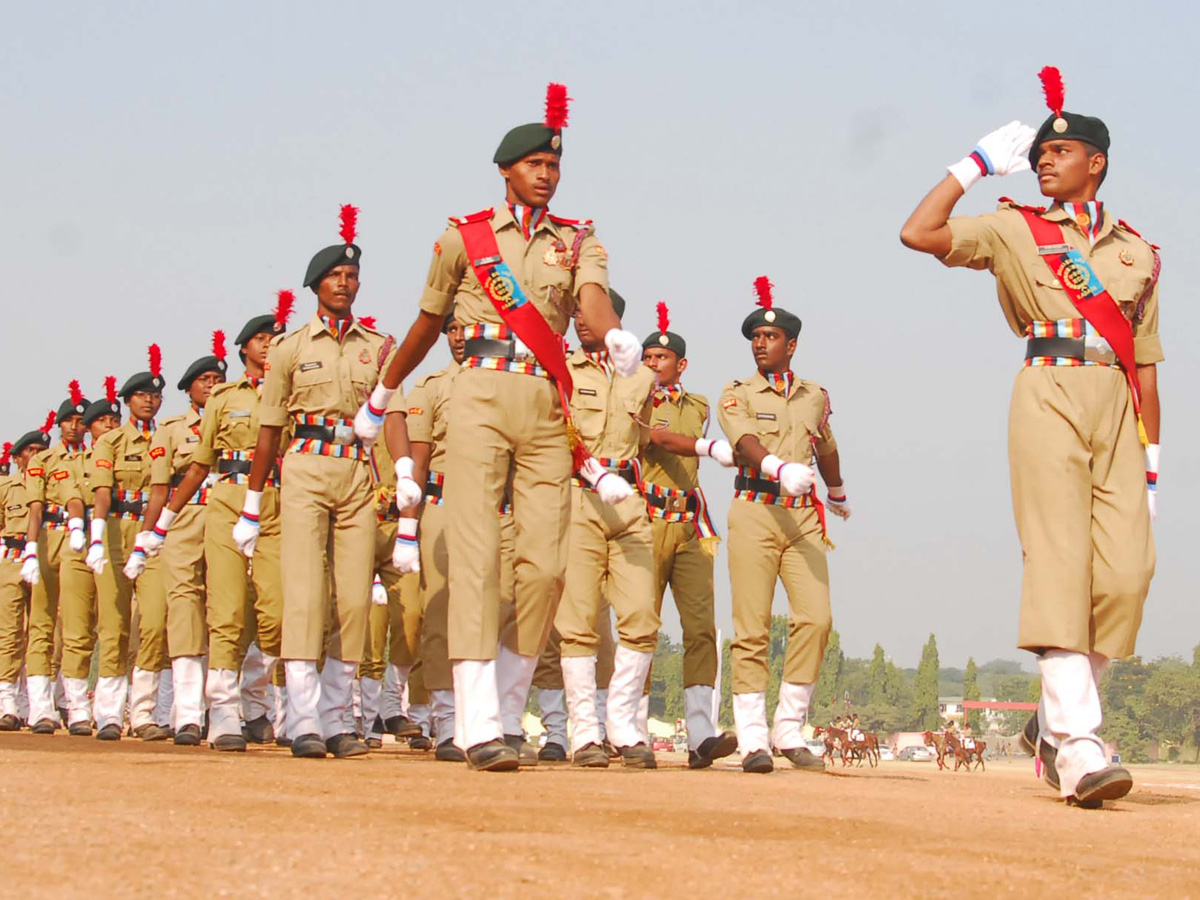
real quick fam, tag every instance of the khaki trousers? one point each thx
(96, 613)
(43, 603)
(184, 579)
(506, 426)
(548, 674)
(14, 612)
(611, 555)
(418, 693)
(245, 597)
(766, 544)
(394, 631)
(149, 594)
(681, 562)
(327, 511)
(1079, 499)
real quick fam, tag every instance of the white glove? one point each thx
(369, 420)
(611, 488)
(1003, 152)
(625, 350)
(836, 503)
(718, 450)
(245, 531)
(795, 479)
(96, 560)
(136, 564)
(154, 540)
(77, 540)
(408, 492)
(1152, 479)
(378, 593)
(406, 554)
(31, 572)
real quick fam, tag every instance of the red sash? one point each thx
(1090, 298)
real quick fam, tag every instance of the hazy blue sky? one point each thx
(168, 166)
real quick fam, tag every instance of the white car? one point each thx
(886, 754)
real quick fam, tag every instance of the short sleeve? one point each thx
(734, 415)
(419, 413)
(35, 479)
(826, 443)
(161, 452)
(206, 450)
(1147, 345)
(277, 386)
(103, 455)
(592, 267)
(446, 271)
(973, 242)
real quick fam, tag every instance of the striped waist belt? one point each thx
(750, 485)
(233, 467)
(433, 493)
(326, 436)
(200, 498)
(54, 515)
(1067, 342)
(671, 504)
(629, 469)
(13, 548)
(129, 505)
(496, 347)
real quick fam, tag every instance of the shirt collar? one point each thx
(1064, 213)
(145, 429)
(72, 448)
(504, 216)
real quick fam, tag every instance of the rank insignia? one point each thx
(104, 464)
(416, 411)
(60, 475)
(1126, 258)
(158, 452)
(728, 402)
(36, 473)
(364, 357)
(437, 248)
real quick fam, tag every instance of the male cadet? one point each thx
(1081, 286)
(317, 378)
(20, 561)
(228, 434)
(121, 480)
(685, 542)
(51, 489)
(517, 275)
(183, 556)
(778, 424)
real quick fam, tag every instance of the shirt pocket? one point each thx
(312, 390)
(589, 414)
(131, 474)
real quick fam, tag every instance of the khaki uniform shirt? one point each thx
(54, 476)
(541, 265)
(121, 459)
(174, 443)
(14, 507)
(87, 484)
(1002, 243)
(604, 410)
(310, 372)
(427, 419)
(794, 428)
(688, 417)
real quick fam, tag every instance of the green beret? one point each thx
(258, 325)
(66, 409)
(142, 381)
(618, 303)
(337, 255)
(780, 318)
(101, 408)
(666, 340)
(198, 368)
(1088, 129)
(526, 139)
(30, 437)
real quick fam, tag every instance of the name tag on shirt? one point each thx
(1053, 249)
(137, 458)
(15, 508)
(309, 366)
(194, 439)
(770, 416)
(238, 413)
(587, 392)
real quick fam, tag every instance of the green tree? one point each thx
(1168, 706)
(827, 693)
(925, 714)
(725, 713)
(877, 677)
(776, 654)
(971, 692)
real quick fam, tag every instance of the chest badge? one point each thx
(364, 357)
(555, 255)
(1126, 258)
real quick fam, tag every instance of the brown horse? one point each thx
(938, 743)
(973, 753)
(857, 751)
(831, 744)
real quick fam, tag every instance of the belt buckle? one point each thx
(1097, 349)
(677, 504)
(520, 352)
(343, 434)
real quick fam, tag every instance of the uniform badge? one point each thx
(555, 255)
(1126, 258)
(60, 475)
(769, 315)
(1060, 125)
(104, 464)
(416, 411)
(437, 248)
(364, 357)
(158, 452)
(728, 402)
(1084, 220)
(36, 473)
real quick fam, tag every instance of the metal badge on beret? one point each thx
(537, 137)
(1065, 125)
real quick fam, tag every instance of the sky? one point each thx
(168, 167)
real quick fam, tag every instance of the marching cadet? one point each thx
(51, 489)
(19, 557)
(229, 433)
(120, 480)
(1081, 287)
(183, 555)
(685, 542)
(517, 274)
(777, 424)
(317, 377)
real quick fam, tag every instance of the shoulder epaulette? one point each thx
(482, 216)
(574, 223)
(1015, 205)
(698, 398)
(223, 387)
(1125, 226)
(171, 421)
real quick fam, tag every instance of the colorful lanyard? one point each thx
(1089, 216)
(338, 327)
(602, 359)
(529, 217)
(669, 393)
(780, 383)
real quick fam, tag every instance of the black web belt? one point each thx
(1067, 348)
(14, 543)
(758, 485)
(490, 347)
(320, 433)
(54, 518)
(127, 507)
(672, 504)
(234, 466)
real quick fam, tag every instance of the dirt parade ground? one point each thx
(144, 820)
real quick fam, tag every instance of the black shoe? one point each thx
(401, 727)
(62, 717)
(373, 742)
(10, 723)
(613, 752)
(80, 729)
(420, 742)
(639, 756)
(110, 732)
(553, 752)
(230, 743)
(527, 755)
(804, 759)
(1111, 783)
(346, 746)
(1028, 738)
(153, 733)
(448, 752)
(590, 756)
(43, 726)
(258, 731)
(283, 742)
(493, 756)
(758, 762)
(188, 736)
(1049, 757)
(308, 746)
(712, 748)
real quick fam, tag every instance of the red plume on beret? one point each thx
(763, 287)
(218, 344)
(6, 454)
(557, 106)
(49, 422)
(283, 307)
(110, 388)
(664, 317)
(1052, 86)
(155, 360)
(349, 217)
(367, 322)
(76, 393)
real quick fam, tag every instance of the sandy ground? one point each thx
(89, 819)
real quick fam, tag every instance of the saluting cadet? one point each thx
(778, 425)
(1081, 287)
(685, 542)
(184, 572)
(120, 481)
(517, 275)
(19, 553)
(51, 489)
(317, 378)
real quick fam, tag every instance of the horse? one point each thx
(976, 753)
(831, 743)
(938, 743)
